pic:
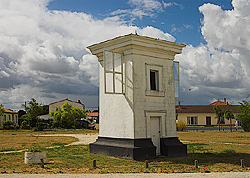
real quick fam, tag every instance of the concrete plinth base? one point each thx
(34, 157)
(136, 149)
(172, 147)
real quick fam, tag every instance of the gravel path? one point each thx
(84, 139)
(195, 175)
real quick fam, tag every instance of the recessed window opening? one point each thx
(154, 80)
(113, 72)
(192, 120)
(176, 79)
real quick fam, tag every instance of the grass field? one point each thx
(215, 151)
(23, 139)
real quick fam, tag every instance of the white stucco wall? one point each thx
(156, 105)
(116, 114)
(128, 115)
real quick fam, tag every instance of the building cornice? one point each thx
(134, 42)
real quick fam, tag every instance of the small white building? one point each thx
(137, 98)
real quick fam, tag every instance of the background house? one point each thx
(203, 115)
(52, 106)
(92, 116)
(9, 115)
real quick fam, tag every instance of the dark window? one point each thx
(222, 120)
(208, 120)
(192, 120)
(154, 80)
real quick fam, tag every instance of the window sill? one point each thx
(155, 93)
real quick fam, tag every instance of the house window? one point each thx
(176, 80)
(154, 80)
(4, 118)
(222, 120)
(192, 120)
(113, 72)
(16, 120)
(9, 118)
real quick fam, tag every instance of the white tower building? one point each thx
(138, 84)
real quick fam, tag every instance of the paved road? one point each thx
(192, 175)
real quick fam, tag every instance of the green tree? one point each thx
(1, 110)
(21, 117)
(229, 116)
(67, 116)
(21, 113)
(33, 110)
(45, 109)
(244, 115)
(219, 114)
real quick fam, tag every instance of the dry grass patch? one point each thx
(23, 139)
(210, 148)
(77, 160)
(216, 136)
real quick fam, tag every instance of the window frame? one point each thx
(159, 80)
(113, 72)
(16, 119)
(154, 83)
(222, 120)
(176, 79)
(192, 118)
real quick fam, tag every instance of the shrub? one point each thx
(8, 125)
(245, 124)
(244, 115)
(25, 125)
(181, 126)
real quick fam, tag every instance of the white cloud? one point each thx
(139, 9)
(155, 33)
(175, 29)
(221, 67)
(43, 53)
(147, 5)
(188, 26)
(169, 4)
(4, 74)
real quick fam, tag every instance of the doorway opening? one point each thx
(155, 132)
(208, 120)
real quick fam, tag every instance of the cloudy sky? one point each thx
(43, 44)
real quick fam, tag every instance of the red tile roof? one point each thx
(66, 100)
(92, 114)
(45, 115)
(9, 111)
(203, 108)
(219, 103)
